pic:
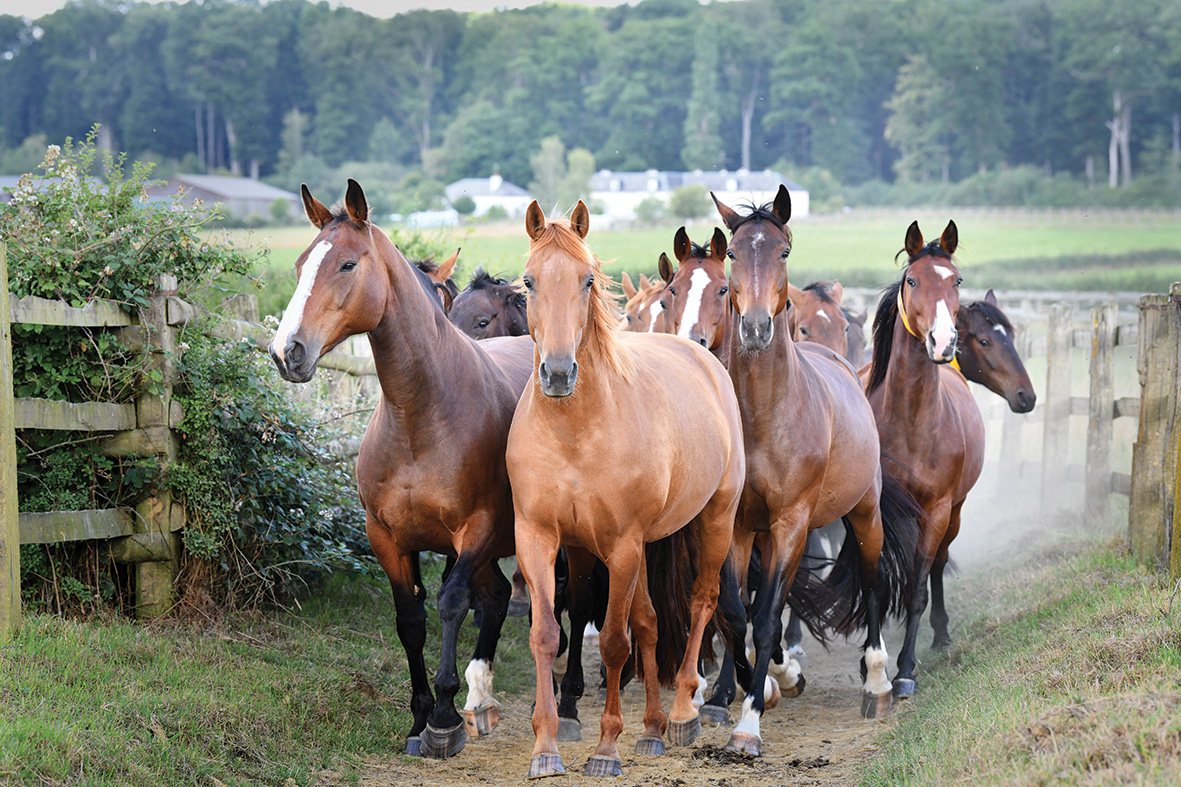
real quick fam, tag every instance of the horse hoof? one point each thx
(483, 720)
(715, 714)
(875, 706)
(745, 743)
(941, 644)
(546, 765)
(569, 730)
(442, 744)
(903, 688)
(518, 608)
(649, 745)
(797, 689)
(413, 746)
(599, 765)
(683, 733)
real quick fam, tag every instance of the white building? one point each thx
(620, 192)
(486, 192)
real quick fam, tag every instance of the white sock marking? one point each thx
(293, 316)
(699, 695)
(697, 284)
(942, 271)
(749, 723)
(479, 685)
(787, 674)
(876, 681)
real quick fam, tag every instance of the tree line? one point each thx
(906, 91)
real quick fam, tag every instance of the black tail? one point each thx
(672, 566)
(836, 603)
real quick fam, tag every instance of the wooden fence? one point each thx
(147, 535)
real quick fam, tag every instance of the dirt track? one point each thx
(818, 738)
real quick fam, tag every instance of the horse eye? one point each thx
(348, 266)
(911, 282)
(803, 331)
(784, 253)
(985, 342)
(730, 253)
(482, 324)
(528, 284)
(673, 290)
(590, 282)
(959, 281)
(723, 291)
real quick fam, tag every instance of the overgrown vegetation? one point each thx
(269, 507)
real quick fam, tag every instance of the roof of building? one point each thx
(494, 186)
(231, 187)
(722, 180)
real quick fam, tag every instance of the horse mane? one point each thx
(883, 334)
(761, 213)
(991, 313)
(601, 315)
(698, 251)
(483, 280)
(933, 248)
(821, 290)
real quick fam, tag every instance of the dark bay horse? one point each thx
(596, 394)
(490, 306)
(431, 471)
(812, 458)
(697, 300)
(985, 353)
(931, 430)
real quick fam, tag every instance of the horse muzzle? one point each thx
(941, 349)
(1022, 401)
(755, 333)
(557, 377)
(295, 363)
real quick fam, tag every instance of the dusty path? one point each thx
(818, 738)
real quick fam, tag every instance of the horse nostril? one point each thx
(703, 342)
(294, 352)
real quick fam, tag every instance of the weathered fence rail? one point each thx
(146, 535)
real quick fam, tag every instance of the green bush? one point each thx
(690, 202)
(651, 210)
(464, 205)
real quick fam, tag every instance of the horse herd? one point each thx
(656, 470)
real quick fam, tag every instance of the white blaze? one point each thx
(1000, 329)
(293, 316)
(824, 315)
(655, 309)
(697, 284)
(944, 330)
(942, 271)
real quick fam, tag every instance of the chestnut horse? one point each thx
(643, 310)
(697, 301)
(431, 471)
(812, 458)
(598, 393)
(931, 430)
(816, 316)
(986, 355)
(439, 276)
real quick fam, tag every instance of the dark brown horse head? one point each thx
(816, 316)
(490, 306)
(986, 353)
(697, 302)
(571, 317)
(760, 243)
(342, 285)
(929, 296)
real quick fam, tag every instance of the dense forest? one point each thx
(870, 92)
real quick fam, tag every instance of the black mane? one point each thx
(482, 280)
(932, 248)
(991, 313)
(883, 334)
(759, 213)
(821, 290)
(698, 251)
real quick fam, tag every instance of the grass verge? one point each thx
(1067, 674)
(297, 698)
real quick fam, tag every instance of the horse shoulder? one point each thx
(513, 355)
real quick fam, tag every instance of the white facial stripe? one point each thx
(1000, 329)
(824, 316)
(654, 310)
(293, 316)
(944, 328)
(942, 271)
(697, 284)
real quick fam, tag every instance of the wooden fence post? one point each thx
(1148, 537)
(1101, 409)
(1056, 442)
(10, 541)
(1172, 474)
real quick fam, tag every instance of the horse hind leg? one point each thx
(939, 618)
(481, 712)
(445, 735)
(643, 626)
(580, 609)
(734, 665)
(876, 689)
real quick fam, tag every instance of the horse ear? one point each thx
(355, 204)
(795, 294)
(629, 289)
(718, 244)
(837, 292)
(447, 266)
(950, 238)
(645, 282)
(914, 239)
(782, 205)
(729, 217)
(317, 214)
(580, 219)
(447, 297)
(534, 220)
(681, 245)
(990, 297)
(666, 267)
(859, 318)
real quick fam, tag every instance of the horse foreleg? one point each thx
(934, 529)
(401, 569)
(866, 521)
(537, 550)
(614, 647)
(580, 607)
(481, 712)
(939, 617)
(643, 626)
(734, 661)
(444, 735)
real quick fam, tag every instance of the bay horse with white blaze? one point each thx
(431, 471)
(812, 458)
(697, 300)
(930, 426)
(598, 393)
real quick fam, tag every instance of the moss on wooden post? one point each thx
(10, 580)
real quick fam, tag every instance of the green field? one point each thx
(1072, 250)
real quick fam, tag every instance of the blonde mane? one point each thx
(602, 315)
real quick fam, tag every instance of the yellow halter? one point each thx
(955, 362)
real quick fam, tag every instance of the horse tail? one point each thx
(902, 519)
(672, 566)
(826, 589)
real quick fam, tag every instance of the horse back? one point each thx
(513, 355)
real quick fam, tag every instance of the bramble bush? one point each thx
(268, 508)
